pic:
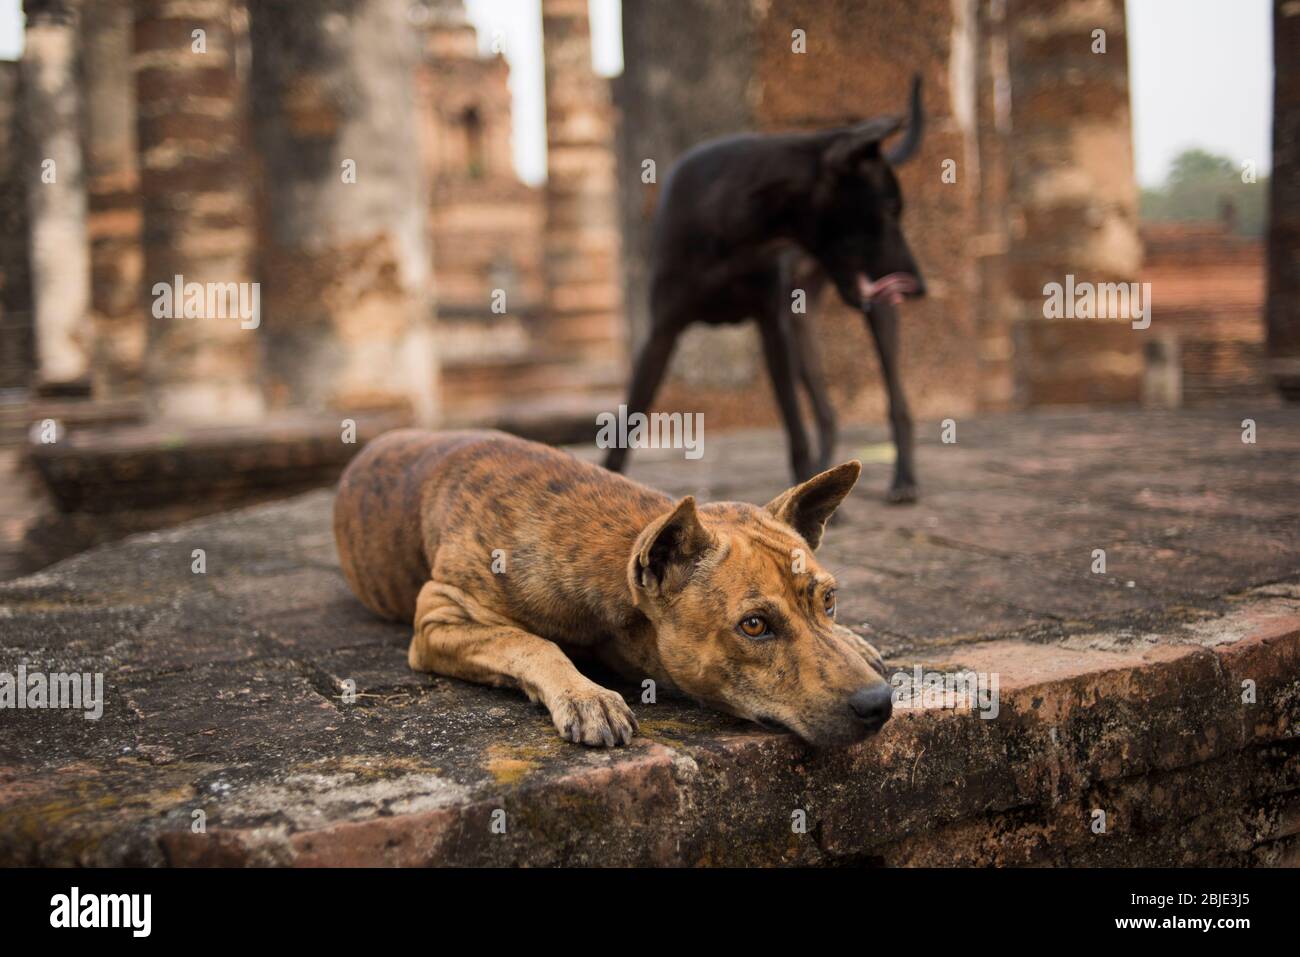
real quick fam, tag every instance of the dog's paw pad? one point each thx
(595, 717)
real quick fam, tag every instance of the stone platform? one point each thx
(229, 735)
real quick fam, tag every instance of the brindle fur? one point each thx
(597, 562)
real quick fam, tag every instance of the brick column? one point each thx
(1073, 195)
(1283, 308)
(113, 199)
(56, 197)
(198, 220)
(345, 260)
(17, 355)
(583, 297)
(990, 245)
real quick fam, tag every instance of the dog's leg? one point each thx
(448, 643)
(805, 275)
(779, 353)
(883, 320)
(651, 364)
(809, 359)
(865, 648)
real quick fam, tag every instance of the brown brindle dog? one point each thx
(503, 551)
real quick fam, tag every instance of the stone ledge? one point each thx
(1120, 691)
(1147, 735)
(243, 719)
(149, 466)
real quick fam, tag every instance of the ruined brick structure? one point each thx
(113, 221)
(1211, 286)
(438, 283)
(486, 224)
(345, 261)
(1283, 315)
(197, 202)
(16, 338)
(352, 157)
(582, 241)
(1073, 196)
(529, 305)
(312, 163)
(56, 195)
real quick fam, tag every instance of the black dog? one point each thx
(745, 221)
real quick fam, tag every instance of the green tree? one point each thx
(1199, 185)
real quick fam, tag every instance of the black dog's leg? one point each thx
(779, 353)
(883, 320)
(808, 360)
(651, 364)
(808, 353)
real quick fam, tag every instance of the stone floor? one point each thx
(229, 734)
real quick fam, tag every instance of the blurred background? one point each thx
(445, 209)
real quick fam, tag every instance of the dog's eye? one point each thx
(829, 603)
(754, 627)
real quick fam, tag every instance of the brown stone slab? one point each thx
(230, 693)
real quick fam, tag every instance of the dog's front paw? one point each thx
(866, 649)
(594, 716)
(874, 658)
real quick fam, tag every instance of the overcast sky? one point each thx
(1202, 74)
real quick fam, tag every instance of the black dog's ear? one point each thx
(856, 143)
(665, 553)
(806, 508)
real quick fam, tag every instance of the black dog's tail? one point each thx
(904, 148)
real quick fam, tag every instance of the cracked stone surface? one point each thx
(230, 733)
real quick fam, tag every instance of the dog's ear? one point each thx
(667, 549)
(806, 508)
(848, 146)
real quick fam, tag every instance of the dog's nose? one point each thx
(872, 705)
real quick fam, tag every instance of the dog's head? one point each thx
(856, 224)
(745, 616)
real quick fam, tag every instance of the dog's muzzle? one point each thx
(873, 706)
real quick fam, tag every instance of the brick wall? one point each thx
(1208, 291)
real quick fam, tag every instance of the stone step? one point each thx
(99, 470)
(470, 390)
(515, 377)
(19, 411)
(558, 419)
(14, 421)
